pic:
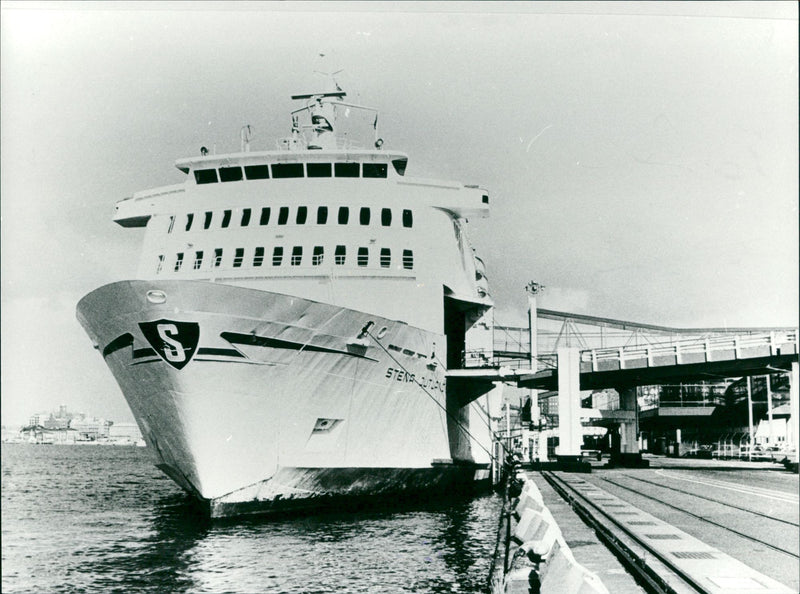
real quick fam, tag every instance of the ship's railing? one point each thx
(476, 358)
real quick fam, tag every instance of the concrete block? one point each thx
(531, 500)
(537, 533)
(518, 581)
(532, 522)
(562, 573)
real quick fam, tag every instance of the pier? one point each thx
(696, 526)
(672, 498)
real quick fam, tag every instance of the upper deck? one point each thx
(239, 171)
(317, 218)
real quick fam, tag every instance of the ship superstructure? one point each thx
(294, 314)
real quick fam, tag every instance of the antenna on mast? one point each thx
(246, 134)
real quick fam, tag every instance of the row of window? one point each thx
(295, 259)
(289, 170)
(300, 218)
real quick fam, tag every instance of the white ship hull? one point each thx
(256, 401)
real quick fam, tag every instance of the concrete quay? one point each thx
(693, 525)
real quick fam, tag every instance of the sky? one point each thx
(642, 158)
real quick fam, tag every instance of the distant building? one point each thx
(776, 433)
(90, 428)
(38, 419)
(124, 433)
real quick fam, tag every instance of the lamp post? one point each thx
(533, 288)
(750, 416)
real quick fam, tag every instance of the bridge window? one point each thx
(344, 215)
(302, 215)
(178, 262)
(258, 257)
(363, 216)
(374, 169)
(322, 215)
(297, 255)
(245, 217)
(363, 256)
(346, 169)
(318, 256)
(256, 171)
(400, 166)
(277, 255)
(189, 219)
(207, 222)
(160, 263)
(282, 170)
(283, 215)
(408, 218)
(386, 257)
(339, 255)
(386, 217)
(264, 216)
(217, 257)
(318, 169)
(205, 176)
(408, 259)
(229, 174)
(198, 259)
(171, 223)
(226, 218)
(238, 257)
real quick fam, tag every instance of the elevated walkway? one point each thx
(690, 359)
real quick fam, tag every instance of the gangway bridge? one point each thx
(591, 353)
(622, 354)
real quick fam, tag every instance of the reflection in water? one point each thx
(130, 529)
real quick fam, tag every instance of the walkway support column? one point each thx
(750, 417)
(629, 429)
(794, 420)
(570, 436)
(769, 410)
(628, 455)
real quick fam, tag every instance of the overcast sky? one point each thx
(642, 157)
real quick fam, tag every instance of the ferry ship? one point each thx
(295, 312)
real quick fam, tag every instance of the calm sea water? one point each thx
(104, 519)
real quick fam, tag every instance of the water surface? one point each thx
(104, 519)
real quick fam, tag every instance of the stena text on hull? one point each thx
(295, 311)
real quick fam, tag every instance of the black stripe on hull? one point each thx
(278, 343)
(120, 342)
(126, 340)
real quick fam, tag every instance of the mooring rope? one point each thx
(366, 330)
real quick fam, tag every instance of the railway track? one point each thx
(702, 518)
(718, 501)
(662, 558)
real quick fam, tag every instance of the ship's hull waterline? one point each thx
(256, 401)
